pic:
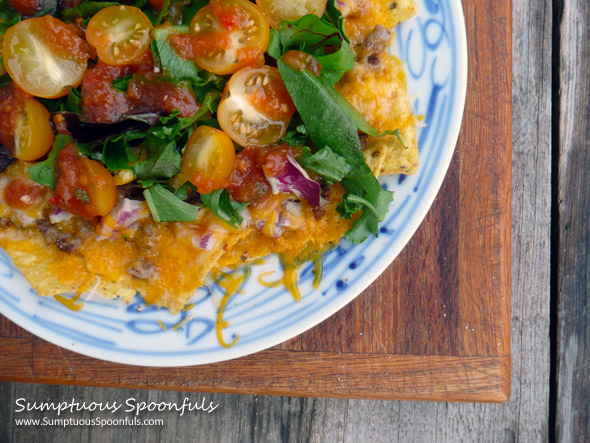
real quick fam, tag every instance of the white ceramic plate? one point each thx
(433, 47)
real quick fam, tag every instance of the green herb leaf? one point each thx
(162, 162)
(163, 12)
(332, 121)
(330, 166)
(189, 10)
(221, 204)
(85, 10)
(313, 35)
(8, 16)
(183, 192)
(334, 16)
(296, 134)
(74, 101)
(121, 83)
(166, 207)
(173, 65)
(44, 172)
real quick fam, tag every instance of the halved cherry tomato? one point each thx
(84, 187)
(33, 135)
(120, 34)
(44, 56)
(208, 159)
(279, 10)
(224, 36)
(24, 125)
(255, 108)
(2, 70)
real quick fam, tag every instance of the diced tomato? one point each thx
(21, 194)
(101, 102)
(11, 106)
(157, 5)
(27, 7)
(151, 95)
(248, 182)
(276, 162)
(84, 187)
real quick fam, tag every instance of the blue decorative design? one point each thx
(431, 46)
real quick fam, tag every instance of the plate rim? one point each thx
(316, 317)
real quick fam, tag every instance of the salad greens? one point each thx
(44, 172)
(326, 126)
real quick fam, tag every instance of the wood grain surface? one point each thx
(573, 275)
(434, 326)
(526, 416)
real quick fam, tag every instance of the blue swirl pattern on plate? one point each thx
(433, 47)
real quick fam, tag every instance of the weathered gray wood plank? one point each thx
(573, 371)
(524, 417)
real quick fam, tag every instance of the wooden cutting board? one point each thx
(434, 326)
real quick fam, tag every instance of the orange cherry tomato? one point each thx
(84, 187)
(279, 10)
(120, 34)
(33, 134)
(255, 108)
(2, 70)
(224, 36)
(24, 125)
(44, 56)
(208, 159)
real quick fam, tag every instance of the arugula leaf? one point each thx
(313, 35)
(221, 204)
(44, 172)
(173, 65)
(121, 83)
(373, 213)
(166, 207)
(329, 165)
(85, 10)
(332, 121)
(162, 162)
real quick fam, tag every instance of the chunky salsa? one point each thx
(145, 144)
